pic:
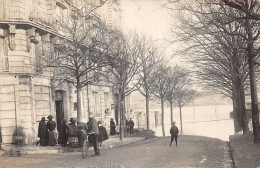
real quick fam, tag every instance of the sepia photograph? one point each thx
(129, 84)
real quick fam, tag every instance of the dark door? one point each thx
(59, 115)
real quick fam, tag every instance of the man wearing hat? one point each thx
(112, 127)
(131, 126)
(93, 128)
(64, 133)
(174, 133)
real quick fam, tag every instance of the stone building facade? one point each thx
(27, 94)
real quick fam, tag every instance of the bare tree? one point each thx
(183, 97)
(219, 48)
(160, 88)
(82, 51)
(175, 81)
(148, 61)
(124, 69)
(250, 8)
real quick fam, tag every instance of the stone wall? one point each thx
(7, 108)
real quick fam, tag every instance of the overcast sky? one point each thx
(146, 16)
(150, 18)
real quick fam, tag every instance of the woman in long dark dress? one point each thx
(51, 125)
(112, 127)
(73, 132)
(102, 133)
(43, 132)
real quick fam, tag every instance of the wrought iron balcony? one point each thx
(16, 15)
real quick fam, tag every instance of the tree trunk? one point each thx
(243, 110)
(120, 114)
(79, 107)
(117, 111)
(162, 106)
(88, 99)
(123, 113)
(180, 118)
(171, 107)
(147, 100)
(236, 126)
(253, 86)
(238, 106)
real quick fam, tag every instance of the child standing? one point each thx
(174, 133)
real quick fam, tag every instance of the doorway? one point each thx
(59, 111)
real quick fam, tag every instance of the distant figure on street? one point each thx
(64, 134)
(82, 130)
(174, 133)
(43, 132)
(93, 128)
(112, 127)
(127, 125)
(131, 126)
(102, 133)
(51, 125)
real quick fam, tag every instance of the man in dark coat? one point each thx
(82, 130)
(64, 134)
(174, 133)
(131, 126)
(93, 128)
(112, 127)
(102, 133)
(127, 125)
(43, 132)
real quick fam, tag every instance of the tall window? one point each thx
(4, 63)
(61, 12)
(33, 57)
(95, 103)
(106, 100)
(75, 106)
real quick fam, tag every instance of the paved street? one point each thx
(193, 151)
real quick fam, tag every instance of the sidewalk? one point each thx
(246, 153)
(112, 142)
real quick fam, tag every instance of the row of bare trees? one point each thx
(221, 40)
(129, 62)
(172, 85)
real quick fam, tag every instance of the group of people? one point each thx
(75, 131)
(129, 126)
(46, 132)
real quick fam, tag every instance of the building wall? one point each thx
(28, 31)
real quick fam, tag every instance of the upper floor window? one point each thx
(61, 12)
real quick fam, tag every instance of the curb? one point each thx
(231, 147)
(231, 155)
(18, 151)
